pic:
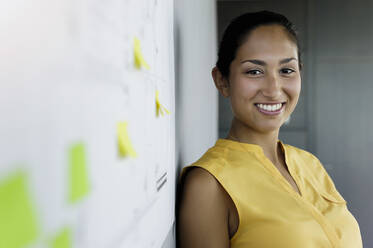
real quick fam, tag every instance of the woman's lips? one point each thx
(269, 112)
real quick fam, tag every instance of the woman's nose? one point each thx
(272, 87)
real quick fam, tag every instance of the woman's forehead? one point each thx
(267, 42)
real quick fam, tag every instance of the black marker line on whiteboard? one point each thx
(160, 186)
(161, 181)
(161, 178)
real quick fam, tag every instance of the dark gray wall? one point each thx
(343, 71)
(334, 115)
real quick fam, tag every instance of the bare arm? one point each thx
(203, 213)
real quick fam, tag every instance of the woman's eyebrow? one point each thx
(261, 62)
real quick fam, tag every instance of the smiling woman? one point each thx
(250, 189)
(263, 75)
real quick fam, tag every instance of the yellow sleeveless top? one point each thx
(271, 213)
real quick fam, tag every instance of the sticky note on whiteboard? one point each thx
(78, 176)
(125, 146)
(18, 227)
(159, 108)
(62, 239)
(138, 56)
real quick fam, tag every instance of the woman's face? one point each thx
(264, 79)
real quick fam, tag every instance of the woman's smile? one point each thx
(270, 108)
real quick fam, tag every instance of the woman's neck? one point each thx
(268, 141)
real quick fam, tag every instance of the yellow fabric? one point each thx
(271, 213)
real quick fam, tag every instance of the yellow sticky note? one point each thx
(124, 143)
(78, 176)
(159, 108)
(62, 239)
(18, 226)
(139, 58)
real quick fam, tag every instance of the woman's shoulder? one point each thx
(200, 188)
(202, 211)
(199, 179)
(211, 160)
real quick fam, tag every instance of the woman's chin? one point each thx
(262, 126)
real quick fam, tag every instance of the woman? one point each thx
(250, 189)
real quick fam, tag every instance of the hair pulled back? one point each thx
(239, 29)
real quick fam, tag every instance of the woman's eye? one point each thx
(253, 72)
(287, 71)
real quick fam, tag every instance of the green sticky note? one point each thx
(79, 184)
(18, 226)
(62, 240)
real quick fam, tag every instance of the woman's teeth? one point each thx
(271, 107)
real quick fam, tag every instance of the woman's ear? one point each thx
(221, 82)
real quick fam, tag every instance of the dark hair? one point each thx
(240, 27)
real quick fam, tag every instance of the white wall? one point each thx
(196, 96)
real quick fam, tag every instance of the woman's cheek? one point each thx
(293, 90)
(293, 86)
(246, 88)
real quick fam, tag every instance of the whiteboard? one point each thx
(69, 77)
